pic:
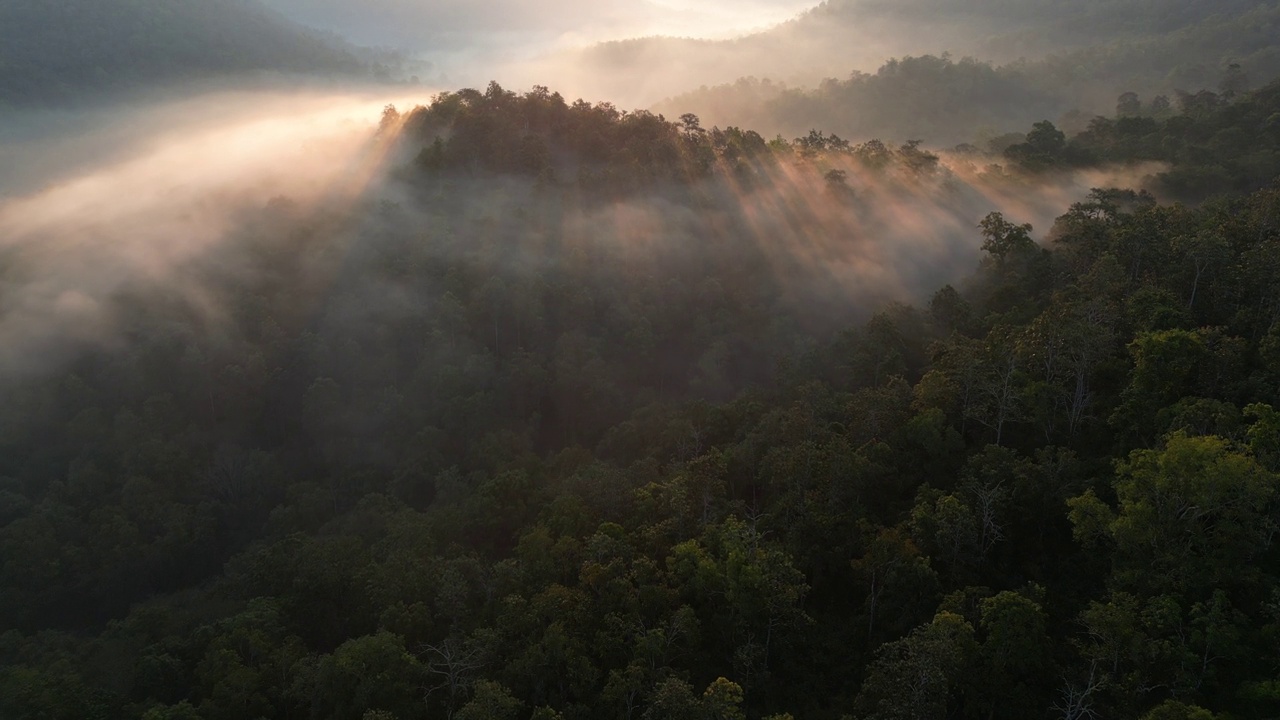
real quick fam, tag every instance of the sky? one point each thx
(431, 27)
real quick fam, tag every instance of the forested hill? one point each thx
(56, 50)
(1089, 48)
(1084, 22)
(1196, 145)
(1043, 59)
(589, 414)
(926, 93)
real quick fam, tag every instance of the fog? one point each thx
(472, 42)
(454, 24)
(152, 190)
(331, 376)
(1053, 59)
(168, 200)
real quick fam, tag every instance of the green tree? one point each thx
(1013, 668)
(1043, 149)
(913, 678)
(1174, 710)
(489, 701)
(896, 576)
(1004, 240)
(1191, 515)
(673, 699)
(1128, 105)
(182, 711)
(723, 700)
(369, 673)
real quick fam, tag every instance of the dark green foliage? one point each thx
(1215, 145)
(470, 456)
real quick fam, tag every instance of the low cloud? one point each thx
(176, 212)
(472, 40)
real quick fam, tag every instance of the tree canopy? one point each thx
(569, 421)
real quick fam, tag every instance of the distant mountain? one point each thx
(55, 49)
(840, 36)
(935, 99)
(945, 101)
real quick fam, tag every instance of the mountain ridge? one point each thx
(52, 52)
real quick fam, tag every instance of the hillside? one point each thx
(585, 414)
(1077, 56)
(946, 101)
(71, 48)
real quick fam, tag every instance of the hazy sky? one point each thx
(442, 26)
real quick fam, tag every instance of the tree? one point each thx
(1004, 240)
(243, 662)
(947, 527)
(369, 673)
(1263, 435)
(182, 711)
(1168, 365)
(691, 125)
(1191, 516)
(1128, 105)
(1139, 643)
(892, 566)
(1203, 251)
(1076, 700)
(1063, 348)
(1043, 149)
(873, 154)
(838, 184)
(997, 396)
(673, 699)
(1045, 138)
(912, 678)
(1234, 81)
(391, 120)
(723, 700)
(451, 667)
(951, 311)
(917, 161)
(744, 585)
(489, 701)
(1013, 665)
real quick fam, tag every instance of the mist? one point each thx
(1047, 60)
(191, 191)
(401, 359)
(469, 43)
(451, 25)
(151, 192)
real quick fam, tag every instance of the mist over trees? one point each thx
(938, 98)
(927, 94)
(585, 413)
(949, 390)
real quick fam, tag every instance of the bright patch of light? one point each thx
(719, 18)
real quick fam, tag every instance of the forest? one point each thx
(1076, 56)
(950, 100)
(589, 413)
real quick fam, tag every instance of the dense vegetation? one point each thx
(1008, 82)
(1211, 143)
(65, 49)
(944, 100)
(580, 417)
